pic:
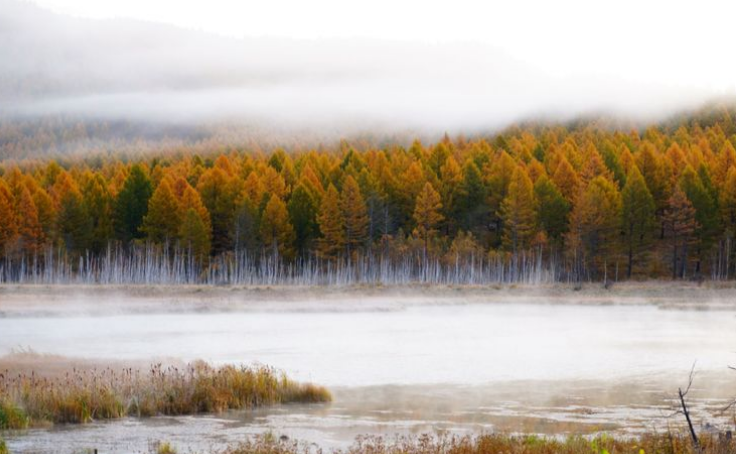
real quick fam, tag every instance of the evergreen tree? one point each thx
(637, 217)
(219, 194)
(303, 214)
(706, 213)
(727, 208)
(195, 237)
(98, 205)
(472, 209)
(245, 232)
(131, 205)
(553, 210)
(74, 224)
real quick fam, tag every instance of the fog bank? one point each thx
(51, 64)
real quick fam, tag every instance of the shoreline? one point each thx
(70, 299)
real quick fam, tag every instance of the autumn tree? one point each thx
(594, 226)
(637, 218)
(195, 236)
(30, 233)
(427, 214)
(219, 194)
(277, 232)
(727, 205)
(8, 225)
(680, 225)
(355, 215)
(163, 220)
(331, 225)
(706, 213)
(518, 212)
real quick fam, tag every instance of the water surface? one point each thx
(408, 369)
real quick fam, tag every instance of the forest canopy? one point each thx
(581, 201)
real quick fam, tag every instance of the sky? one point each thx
(463, 66)
(675, 43)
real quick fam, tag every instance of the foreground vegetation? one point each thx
(80, 396)
(497, 444)
(577, 202)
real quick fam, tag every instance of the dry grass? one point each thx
(500, 444)
(80, 396)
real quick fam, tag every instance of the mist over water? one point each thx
(398, 365)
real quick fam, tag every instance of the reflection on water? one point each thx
(545, 369)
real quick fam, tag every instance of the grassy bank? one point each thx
(80, 396)
(500, 444)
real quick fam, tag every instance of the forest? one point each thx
(583, 201)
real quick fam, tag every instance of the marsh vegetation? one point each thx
(81, 396)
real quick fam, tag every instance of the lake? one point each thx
(395, 368)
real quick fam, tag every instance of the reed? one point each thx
(80, 396)
(501, 444)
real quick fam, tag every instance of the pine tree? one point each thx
(594, 225)
(553, 210)
(331, 225)
(706, 214)
(472, 208)
(637, 217)
(245, 232)
(163, 220)
(499, 177)
(254, 188)
(8, 220)
(303, 214)
(276, 230)
(131, 205)
(74, 224)
(518, 212)
(46, 213)
(427, 214)
(680, 225)
(727, 206)
(355, 215)
(195, 237)
(29, 228)
(566, 179)
(219, 194)
(191, 199)
(652, 169)
(98, 205)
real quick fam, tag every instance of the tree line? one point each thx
(597, 203)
